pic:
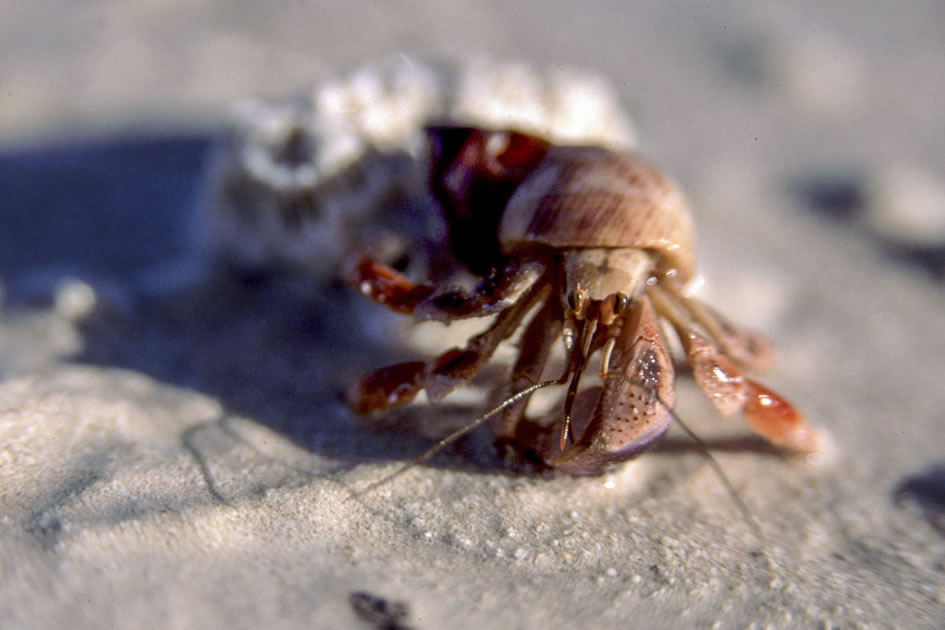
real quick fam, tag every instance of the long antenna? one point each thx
(704, 451)
(511, 400)
(436, 448)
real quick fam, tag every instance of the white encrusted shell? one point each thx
(567, 106)
(293, 182)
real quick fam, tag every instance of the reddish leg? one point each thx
(777, 419)
(397, 384)
(385, 285)
(387, 387)
(765, 411)
(749, 348)
(389, 287)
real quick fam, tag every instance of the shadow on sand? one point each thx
(277, 348)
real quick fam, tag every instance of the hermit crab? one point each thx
(583, 246)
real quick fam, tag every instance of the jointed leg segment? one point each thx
(399, 383)
(720, 378)
(385, 285)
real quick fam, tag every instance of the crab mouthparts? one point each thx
(576, 365)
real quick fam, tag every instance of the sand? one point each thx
(173, 450)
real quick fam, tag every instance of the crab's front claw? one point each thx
(609, 438)
(632, 408)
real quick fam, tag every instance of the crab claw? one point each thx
(632, 407)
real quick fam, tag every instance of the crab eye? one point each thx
(621, 302)
(577, 298)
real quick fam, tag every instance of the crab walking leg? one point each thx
(387, 387)
(778, 420)
(749, 348)
(535, 346)
(722, 381)
(385, 285)
(632, 408)
(400, 383)
(716, 374)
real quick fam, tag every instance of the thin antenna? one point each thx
(704, 450)
(436, 448)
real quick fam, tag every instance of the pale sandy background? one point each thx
(180, 458)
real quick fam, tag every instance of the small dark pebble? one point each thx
(379, 612)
